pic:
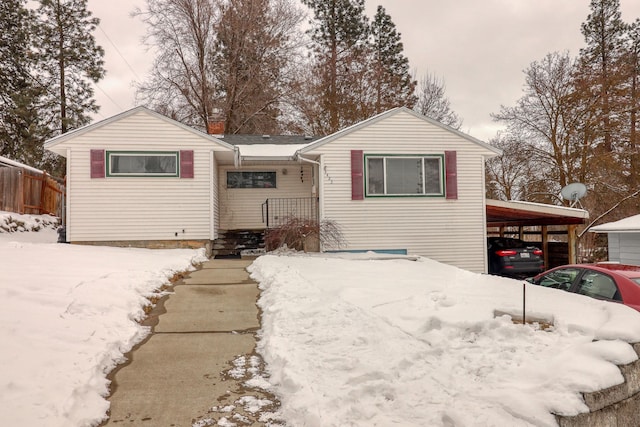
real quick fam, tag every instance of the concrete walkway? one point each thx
(181, 375)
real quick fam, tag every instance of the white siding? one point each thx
(628, 248)
(614, 246)
(126, 208)
(450, 231)
(241, 208)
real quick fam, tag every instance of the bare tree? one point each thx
(511, 176)
(432, 101)
(183, 81)
(220, 60)
(259, 44)
(551, 120)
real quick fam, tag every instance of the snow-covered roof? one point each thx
(626, 225)
(8, 162)
(269, 151)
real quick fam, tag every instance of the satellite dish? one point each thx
(574, 192)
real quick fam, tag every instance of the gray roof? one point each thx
(266, 139)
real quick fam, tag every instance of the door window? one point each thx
(599, 285)
(561, 279)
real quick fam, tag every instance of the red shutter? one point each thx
(357, 175)
(97, 164)
(186, 164)
(451, 174)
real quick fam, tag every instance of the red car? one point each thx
(605, 281)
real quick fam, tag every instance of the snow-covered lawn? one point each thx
(349, 339)
(67, 315)
(365, 342)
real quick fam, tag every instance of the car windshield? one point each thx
(636, 279)
(510, 243)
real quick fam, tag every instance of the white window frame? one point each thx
(385, 157)
(111, 154)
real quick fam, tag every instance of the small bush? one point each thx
(298, 234)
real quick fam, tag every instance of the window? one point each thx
(598, 285)
(404, 175)
(122, 163)
(562, 278)
(251, 179)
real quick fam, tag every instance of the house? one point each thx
(623, 239)
(397, 182)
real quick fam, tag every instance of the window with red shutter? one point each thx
(97, 164)
(186, 164)
(451, 174)
(357, 175)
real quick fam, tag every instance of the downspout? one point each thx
(316, 186)
(237, 159)
(303, 159)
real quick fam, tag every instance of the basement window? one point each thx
(251, 179)
(128, 163)
(414, 175)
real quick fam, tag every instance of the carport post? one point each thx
(545, 246)
(572, 243)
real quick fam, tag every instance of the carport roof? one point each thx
(516, 213)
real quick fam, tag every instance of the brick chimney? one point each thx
(215, 128)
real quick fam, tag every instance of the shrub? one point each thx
(299, 234)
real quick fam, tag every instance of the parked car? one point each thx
(514, 257)
(605, 281)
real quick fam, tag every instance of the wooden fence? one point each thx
(27, 192)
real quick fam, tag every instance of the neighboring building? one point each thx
(623, 239)
(398, 182)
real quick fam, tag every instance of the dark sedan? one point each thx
(514, 257)
(605, 281)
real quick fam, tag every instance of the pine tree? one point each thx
(392, 82)
(632, 61)
(20, 133)
(604, 33)
(70, 61)
(340, 31)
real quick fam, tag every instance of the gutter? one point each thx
(303, 159)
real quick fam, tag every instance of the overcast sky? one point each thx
(479, 47)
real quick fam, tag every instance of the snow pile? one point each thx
(417, 343)
(12, 222)
(68, 314)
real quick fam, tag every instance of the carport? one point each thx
(505, 217)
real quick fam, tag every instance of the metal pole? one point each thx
(524, 301)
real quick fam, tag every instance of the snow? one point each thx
(630, 224)
(348, 339)
(355, 340)
(9, 162)
(68, 315)
(268, 150)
